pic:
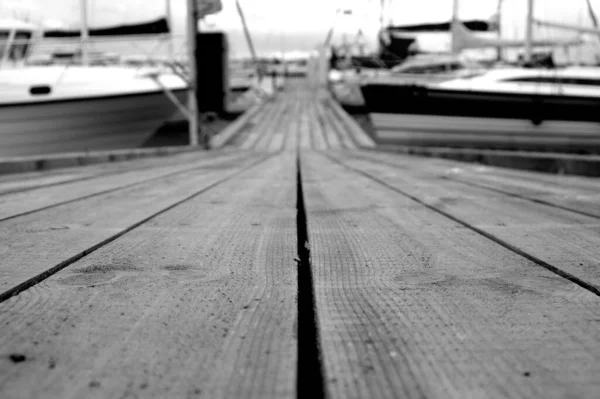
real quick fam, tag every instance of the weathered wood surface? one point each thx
(36, 244)
(577, 193)
(413, 304)
(30, 200)
(198, 301)
(15, 182)
(177, 276)
(563, 240)
(301, 111)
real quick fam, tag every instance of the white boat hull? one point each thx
(437, 130)
(93, 123)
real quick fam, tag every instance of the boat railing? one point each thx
(135, 51)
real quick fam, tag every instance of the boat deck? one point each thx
(295, 262)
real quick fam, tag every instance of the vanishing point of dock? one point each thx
(298, 261)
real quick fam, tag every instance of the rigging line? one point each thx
(592, 13)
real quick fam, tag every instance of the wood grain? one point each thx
(198, 302)
(33, 244)
(20, 203)
(563, 240)
(331, 137)
(580, 194)
(15, 182)
(412, 304)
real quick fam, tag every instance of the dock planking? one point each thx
(40, 243)
(563, 241)
(33, 199)
(199, 301)
(181, 276)
(576, 193)
(16, 182)
(412, 304)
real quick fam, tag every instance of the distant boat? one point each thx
(504, 108)
(501, 108)
(50, 109)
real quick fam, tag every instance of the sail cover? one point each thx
(207, 7)
(156, 27)
(474, 25)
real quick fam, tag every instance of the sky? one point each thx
(302, 24)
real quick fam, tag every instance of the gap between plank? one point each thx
(574, 279)
(110, 190)
(483, 187)
(310, 380)
(55, 269)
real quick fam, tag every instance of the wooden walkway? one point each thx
(295, 263)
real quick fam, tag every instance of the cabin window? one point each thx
(3, 42)
(19, 49)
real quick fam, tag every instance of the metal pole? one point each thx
(499, 27)
(85, 33)
(170, 47)
(192, 29)
(529, 32)
(453, 24)
(257, 64)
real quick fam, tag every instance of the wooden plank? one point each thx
(319, 135)
(37, 244)
(305, 141)
(264, 142)
(15, 182)
(339, 129)
(411, 304)
(236, 127)
(564, 241)
(20, 203)
(351, 126)
(292, 130)
(277, 141)
(198, 302)
(319, 142)
(254, 133)
(23, 164)
(328, 130)
(581, 194)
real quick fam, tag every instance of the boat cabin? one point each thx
(435, 64)
(15, 40)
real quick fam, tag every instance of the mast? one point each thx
(169, 14)
(529, 32)
(192, 30)
(85, 33)
(499, 27)
(453, 24)
(249, 40)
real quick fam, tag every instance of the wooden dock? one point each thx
(297, 261)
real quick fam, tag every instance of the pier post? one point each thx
(192, 28)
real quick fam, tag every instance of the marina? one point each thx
(296, 260)
(392, 224)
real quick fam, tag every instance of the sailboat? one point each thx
(72, 108)
(503, 108)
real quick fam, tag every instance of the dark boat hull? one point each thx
(426, 116)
